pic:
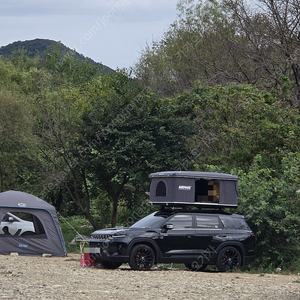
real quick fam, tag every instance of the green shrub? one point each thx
(270, 202)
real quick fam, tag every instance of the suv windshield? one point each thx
(154, 220)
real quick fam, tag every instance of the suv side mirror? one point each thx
(168, 226)
(10, 219)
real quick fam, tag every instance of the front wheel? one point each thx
(141, 258)
(229, 258)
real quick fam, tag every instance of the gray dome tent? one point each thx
(20, 211)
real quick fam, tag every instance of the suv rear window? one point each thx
(231, 222)
(204, 221)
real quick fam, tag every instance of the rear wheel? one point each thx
(110, 265)
(229, 258)
(194, 266)
(141, 257)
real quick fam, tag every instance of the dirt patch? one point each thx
(25, 277)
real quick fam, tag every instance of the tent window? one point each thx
(161, 189)
(21, 224)
(207, 191)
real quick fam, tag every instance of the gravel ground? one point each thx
(23, 277)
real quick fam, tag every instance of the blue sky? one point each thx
(112, 32)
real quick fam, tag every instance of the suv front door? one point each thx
(178, 242)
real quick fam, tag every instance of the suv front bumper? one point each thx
(108, 251)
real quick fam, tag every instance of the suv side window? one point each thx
(203, 221)
(231, 222)
(181, 221)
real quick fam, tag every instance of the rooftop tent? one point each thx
(32, 225)
(207, 189)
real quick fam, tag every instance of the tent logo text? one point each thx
(184, 187)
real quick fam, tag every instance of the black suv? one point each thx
(195, 237)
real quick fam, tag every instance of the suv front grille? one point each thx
(102, 236)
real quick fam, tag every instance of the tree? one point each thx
(224, 42)
(65, 69)
(131, 135)
(194, 48)
(237, 122)
(17, 153)
(104, 138)
(58, 129)
(271, 30)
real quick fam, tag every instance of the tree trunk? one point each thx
(114, 212)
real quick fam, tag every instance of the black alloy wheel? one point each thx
(229, 259)
(141, 258)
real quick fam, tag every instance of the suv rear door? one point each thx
(208, 235)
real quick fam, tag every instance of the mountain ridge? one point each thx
(41, 46)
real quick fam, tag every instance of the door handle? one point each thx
(190, 236)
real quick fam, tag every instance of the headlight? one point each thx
(119, 236)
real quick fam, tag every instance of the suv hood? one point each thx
(111, 231)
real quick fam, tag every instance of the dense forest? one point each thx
(220, 91)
